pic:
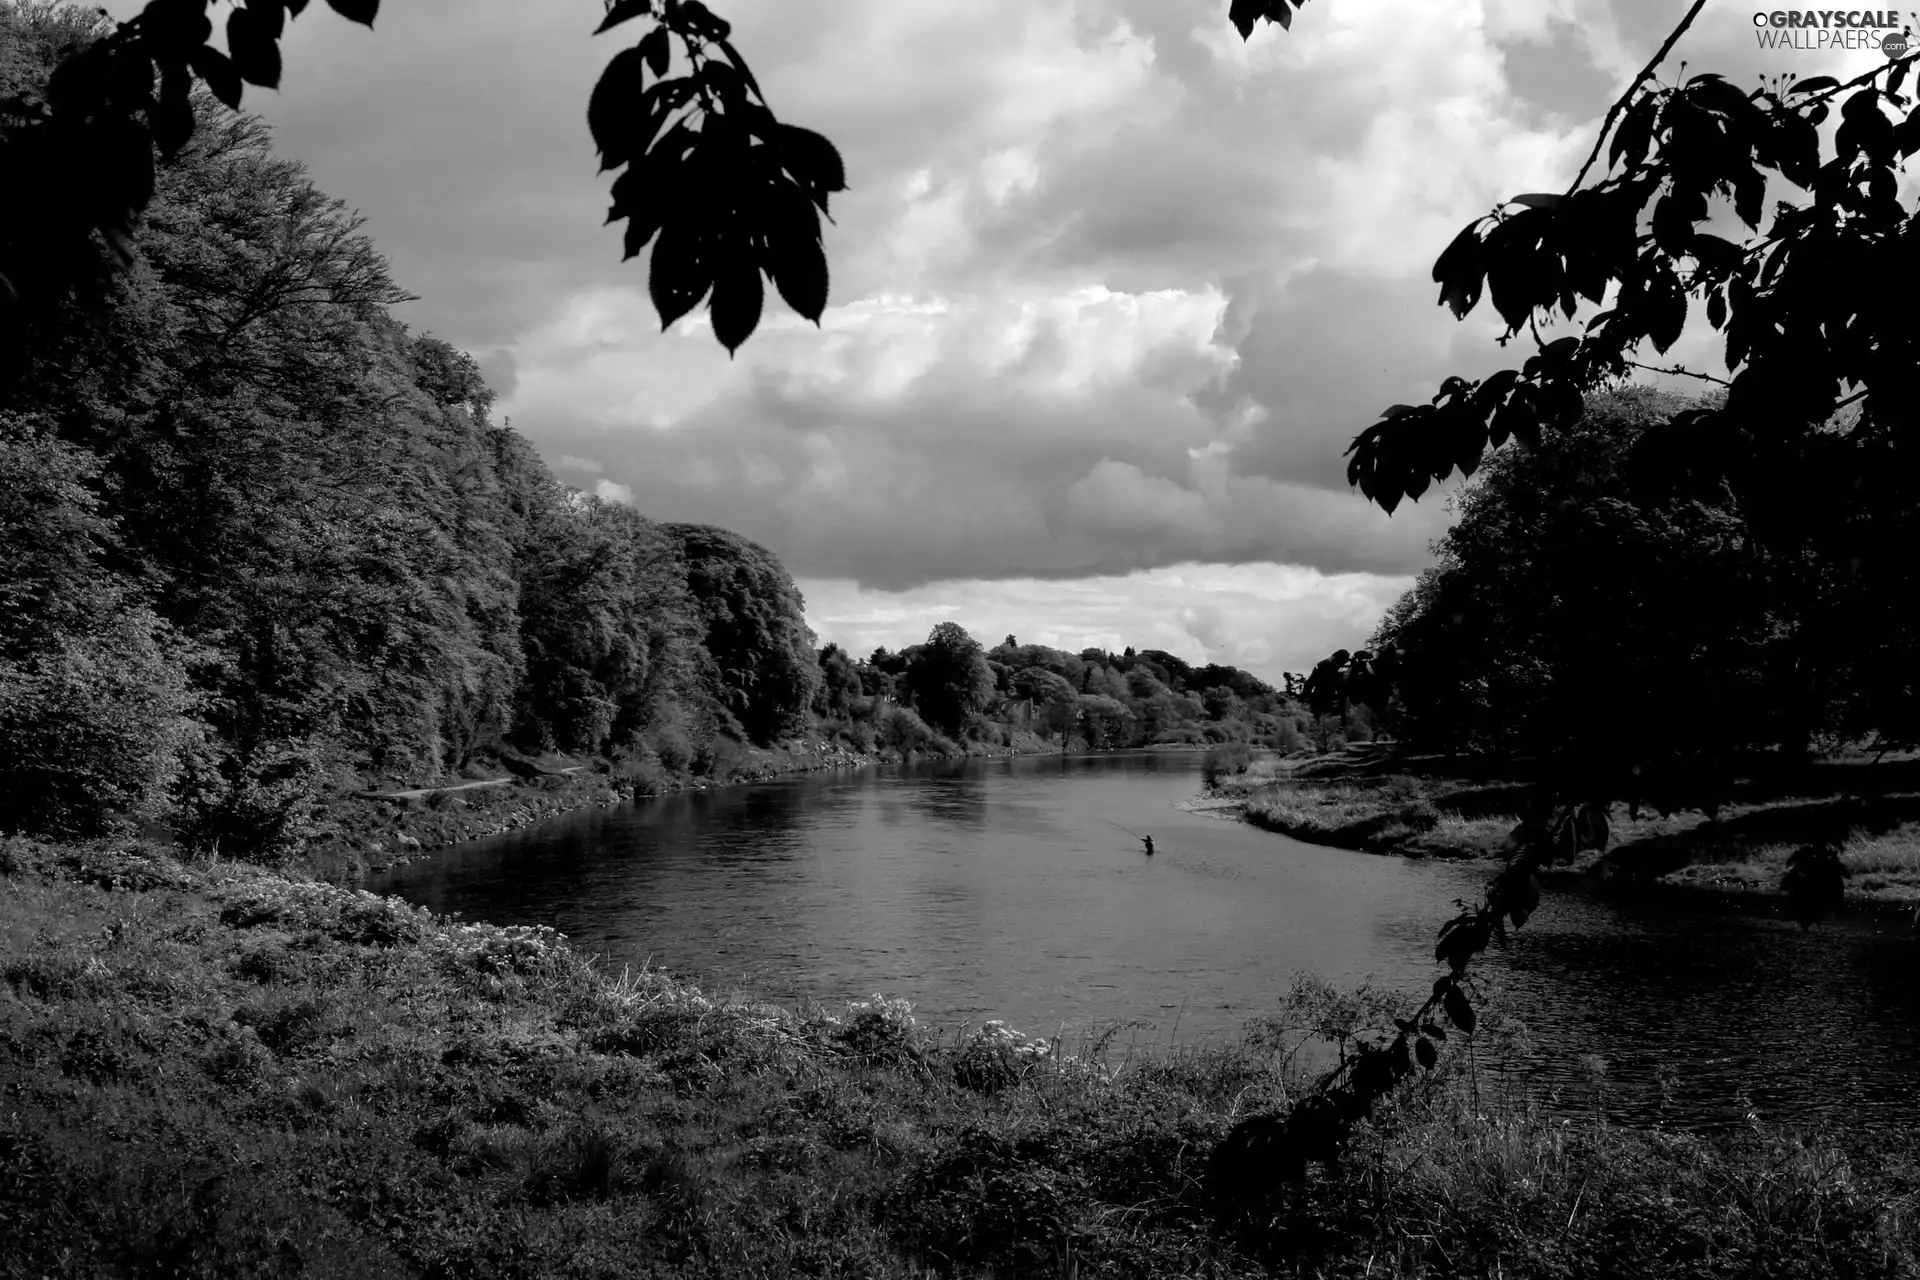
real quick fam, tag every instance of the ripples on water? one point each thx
(1009, 889)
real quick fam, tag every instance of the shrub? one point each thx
(643, 771)
(882, 1032)
(901, 729)
(672, 748)
(1234, 757)
(265, 807)
(719, 757)
(997, 1057)
(91, 725)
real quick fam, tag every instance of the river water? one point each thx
(1014, 889)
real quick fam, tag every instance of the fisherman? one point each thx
(1147, 841)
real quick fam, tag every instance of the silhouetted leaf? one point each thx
(656, 48)
(1665, 313)
(638, 197)
(173, 29)
(1459, 1011)
(1717, 309)
(1540, 200)
(1907, 134)
(361, 11)
(615, 107)
(1560, 349)
(1635, 134)
(1492, 389)
(623, 11)
(1520, 276)
(737, 299)
(1466, 440)
(1428, 1055)
(172, 115)
(701, 21)
(679, 275)
(813, 161)
(1460, 270)
(218, 71)
(1515, 419)
(1814, 84)
(798, 265)
(253, 43)
(1866, 129)
(740, 63)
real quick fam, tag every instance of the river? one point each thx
(1013, 889)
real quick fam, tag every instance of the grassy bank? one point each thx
(400, 821)
(1365, 800)
(216, 1070)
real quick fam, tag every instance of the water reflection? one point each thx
(1010, 889)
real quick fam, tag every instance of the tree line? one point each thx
(959, 689)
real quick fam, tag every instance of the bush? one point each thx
(93, 725)
(672, 748)
(901, 729)
(1236, 757)
(719, 758)
(264, 808)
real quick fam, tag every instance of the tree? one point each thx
(840, 685)
(1810, 328)
(1053, 695)
(1107, 721)
(948, 678)
(1569, 613)
(755, 629)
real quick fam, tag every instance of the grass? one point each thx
(1347, 802)
(218, 1070)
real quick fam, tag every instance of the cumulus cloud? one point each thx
(613, 492)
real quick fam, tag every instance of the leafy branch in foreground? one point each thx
(1808, 309)
(738, 195)
(730, 190)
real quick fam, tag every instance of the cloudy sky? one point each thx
(1112, 290)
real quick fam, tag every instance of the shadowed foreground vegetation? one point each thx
(218, 1070)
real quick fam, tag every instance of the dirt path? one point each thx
(420, 793)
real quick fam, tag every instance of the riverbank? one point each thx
(374, 830)
(219, 1069)
(1368, 801)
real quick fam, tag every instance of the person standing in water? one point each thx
(1147, 841)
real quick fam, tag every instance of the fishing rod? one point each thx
(1146, 840)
